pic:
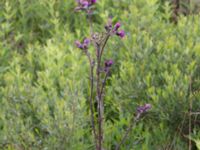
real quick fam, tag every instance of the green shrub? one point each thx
(43, 78)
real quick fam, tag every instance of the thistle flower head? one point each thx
(84, 4)
(120, 33)
(93, 1)
(114, 30)
(86, 41)
(143, 109)
(84, 45)
(78, 44)
(117, 26)
(108, 64)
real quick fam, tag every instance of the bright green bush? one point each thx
(44, 78)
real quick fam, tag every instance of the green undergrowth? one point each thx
(44, 84)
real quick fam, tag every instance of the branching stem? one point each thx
(104, 44)
(91, 97)
(99, 101)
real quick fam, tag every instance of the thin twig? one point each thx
(134, 120)
(103, 84)
(104, 44)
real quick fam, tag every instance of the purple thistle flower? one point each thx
(108, 64)
(84, 4)
(93, 1)
(114, 30)
(121, 33)
(117, 26)
(78, 44)
(86, 41)
(143, 109)
(84, 45)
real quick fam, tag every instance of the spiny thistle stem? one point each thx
(103, 84)
(92, 64)
(104, 44)
(99, 101)
(91, 97)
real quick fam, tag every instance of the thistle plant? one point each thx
(103, 70)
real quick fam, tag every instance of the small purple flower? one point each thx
(84, 4)
(114, 30)
(93, 1)
(86, 41)
(84, 45)
(108, 64)
(143, 109)
(117, 26)
(78, 44)
(121, 33)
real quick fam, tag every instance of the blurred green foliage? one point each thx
(43, 77)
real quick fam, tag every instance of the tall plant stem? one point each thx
(99, 92)
(91, 98)
(92, 87)
(101, 110)
(99, 101)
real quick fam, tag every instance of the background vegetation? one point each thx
(44, 77)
